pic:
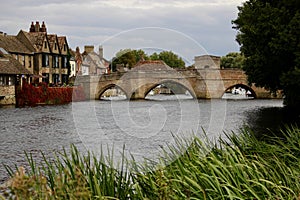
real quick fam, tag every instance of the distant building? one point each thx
(44, 55)
(93, 63)
(72, 66)
(10, 72)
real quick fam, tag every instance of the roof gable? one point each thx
(63, 45)
(53, 43)
(36, 39)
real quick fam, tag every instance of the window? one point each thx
(55, 78)
(45, 77)
(55, 46)
(64, 78)
(23, 60)
(64, 62)
(11, 80)
(29, 62)
(45, 44)
(45, 60)
(55, 62)
(7, 80)
(65, 47)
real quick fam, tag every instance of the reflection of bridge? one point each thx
(139, 81)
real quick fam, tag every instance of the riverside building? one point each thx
(44, 55)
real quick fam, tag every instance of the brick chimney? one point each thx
(43, 28)
(32, 28)
(101, 52)
(37, 26)
(89, 48)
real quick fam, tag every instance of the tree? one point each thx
(232, 60)
(128, 58)
(269, 35)
(169, 58)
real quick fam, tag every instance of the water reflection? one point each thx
(269, 120)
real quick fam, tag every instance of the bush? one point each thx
(30, 95)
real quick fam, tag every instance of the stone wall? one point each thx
(7, 95)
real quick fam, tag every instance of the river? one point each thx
(142, 126)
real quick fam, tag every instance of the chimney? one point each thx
(43, 28)
(101, 52)
(89, 48)
(37, 26)
(32, 28)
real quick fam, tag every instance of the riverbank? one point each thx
(238, 167)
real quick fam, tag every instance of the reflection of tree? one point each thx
(266, 121)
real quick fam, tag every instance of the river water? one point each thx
(142, 126)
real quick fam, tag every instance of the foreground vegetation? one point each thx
(238, 167)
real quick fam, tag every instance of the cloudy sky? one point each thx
(187, 27)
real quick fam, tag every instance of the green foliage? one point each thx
(124, 57)
(232, 60)
(291, 83)
(169, 58)
(269, 37)
(237, 167)
(129, 58)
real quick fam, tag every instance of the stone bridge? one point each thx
(145, 76)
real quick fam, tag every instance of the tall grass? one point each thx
(238, 167)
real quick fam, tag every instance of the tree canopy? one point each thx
(232, 60)
(129, 58)
(169, 58)
(269, 36)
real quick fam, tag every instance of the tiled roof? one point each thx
(51, 39)
(12, 44)
(36, 39)
(29, 43)
(61, 41)
(95, 60)
(9, 65)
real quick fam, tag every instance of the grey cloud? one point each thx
(91, 22)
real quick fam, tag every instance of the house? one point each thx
(11, 71)
(18, 50)
(94, 63)
(45, 55)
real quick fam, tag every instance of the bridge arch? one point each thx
(244, 86)
(145, 89)
(107, 87)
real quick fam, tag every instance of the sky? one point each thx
(186, 27)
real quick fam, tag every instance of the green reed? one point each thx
(237, 167)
